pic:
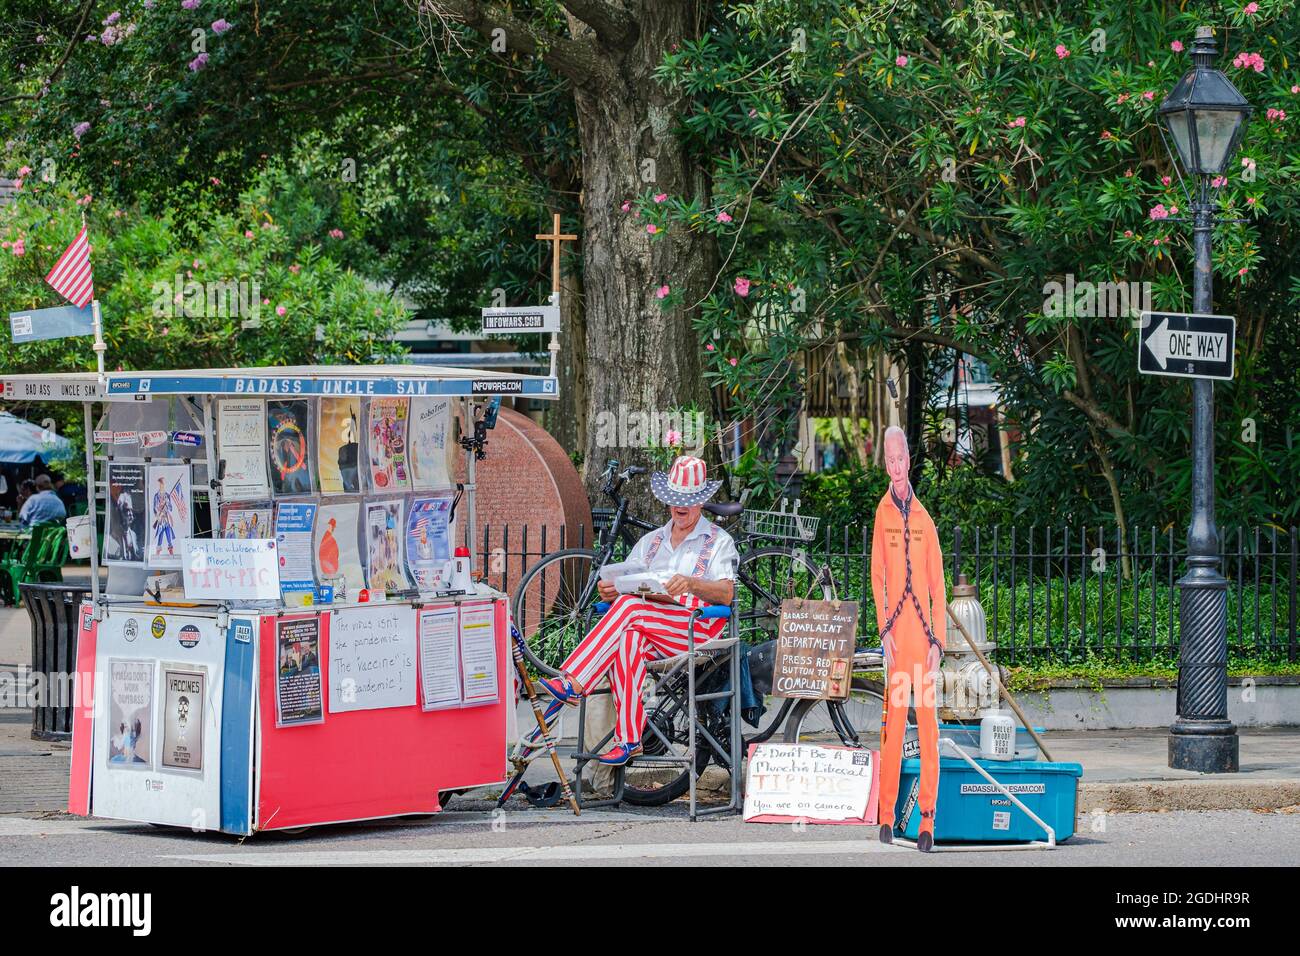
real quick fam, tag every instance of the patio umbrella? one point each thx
(21, 442)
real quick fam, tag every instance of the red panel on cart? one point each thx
(364, 764)
(83, 714)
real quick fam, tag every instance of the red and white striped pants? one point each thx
(632, 632)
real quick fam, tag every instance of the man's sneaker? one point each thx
(562, 689)
(621, 754)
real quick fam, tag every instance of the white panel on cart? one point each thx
(131, 779)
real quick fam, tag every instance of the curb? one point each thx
(1155, 795)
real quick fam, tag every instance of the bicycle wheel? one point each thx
(654, 786)
(854, 722)
(553, 606)
(765, 578)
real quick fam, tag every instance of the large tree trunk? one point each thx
(641, 358)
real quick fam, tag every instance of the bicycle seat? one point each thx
(724, 509)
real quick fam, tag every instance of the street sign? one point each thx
(1186, 346)
(60, 322)
(508, 321)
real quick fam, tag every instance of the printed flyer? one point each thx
(168, 517)
(384, 546)
(241, 443)
(431, 443)
(294, 522)
(130, 714)
(387, 429)
(184, 693)
(338, 555)
(299, 685)
(124, 542)
(247, 522)
(427, 537)
(339, 446)
(288, 427)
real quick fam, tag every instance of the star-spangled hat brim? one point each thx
(678, 499)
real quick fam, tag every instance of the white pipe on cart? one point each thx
(214, 508)
(90, 498)
(471, 497)
(97, 326)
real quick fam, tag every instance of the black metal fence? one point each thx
(1049, 594)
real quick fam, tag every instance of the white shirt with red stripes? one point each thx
(723, 559)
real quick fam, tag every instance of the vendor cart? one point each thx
(251, 665)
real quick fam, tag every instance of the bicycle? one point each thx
(554, 607)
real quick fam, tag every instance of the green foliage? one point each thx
(909, 177)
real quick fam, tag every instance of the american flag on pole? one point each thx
(178, 496)
(71, 276)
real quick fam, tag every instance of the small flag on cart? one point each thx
(71, 276)
(177, 496)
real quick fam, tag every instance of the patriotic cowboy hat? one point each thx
(684, 484)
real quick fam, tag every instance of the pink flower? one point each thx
(1242, 270)
(723, 217)
(662, 292)
(24, 170)
(627, 206)
(190, 4)
(214, 180)
(221, 26)
(1276, 115)
(1218, 181)
(1173, 210)
(280, 310)
(1159, 212)
(709, 347)
(1148, 95)
(741, 286)
(1165, 180)
(1295, 89)
(165, 329)
(1061, 51)
(900, 60)
(673, 438)
(660, 197)
(336, 233)
(1251, 8)
(731, 361)
(199, 62)
(1017, 122)
(248, 234)
(1251, 61)
(1128, 233)
(18, 183)
(295, 268)
(1155, 242)
(1176, 46)
(1250, 200)
(1128, 174)
(1122, 98)
(19, 248)
(652, 228)
(1105, 134)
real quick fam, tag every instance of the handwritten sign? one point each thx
(372, 659)
(786, 782)
(230, 569)
(814, 649)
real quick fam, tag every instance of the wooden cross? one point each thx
(555, 238)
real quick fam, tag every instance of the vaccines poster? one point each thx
(428, 537)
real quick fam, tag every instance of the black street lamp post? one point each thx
(1205, 116)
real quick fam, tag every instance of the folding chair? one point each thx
(675, 679)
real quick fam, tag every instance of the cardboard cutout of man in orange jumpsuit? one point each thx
(911, 614)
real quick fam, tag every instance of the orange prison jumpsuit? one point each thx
(909, 613)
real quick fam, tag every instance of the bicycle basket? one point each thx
(781, 524)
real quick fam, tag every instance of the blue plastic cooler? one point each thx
(970, 810)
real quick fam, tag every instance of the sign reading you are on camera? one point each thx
(814, 649)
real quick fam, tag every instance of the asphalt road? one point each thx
(470, 834)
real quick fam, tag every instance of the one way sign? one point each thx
(1186, 346)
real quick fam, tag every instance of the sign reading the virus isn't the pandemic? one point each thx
(814, 649)
(1186, 346)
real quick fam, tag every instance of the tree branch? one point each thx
(576, 59)
(611, 22)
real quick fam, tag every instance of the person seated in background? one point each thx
(42, 507)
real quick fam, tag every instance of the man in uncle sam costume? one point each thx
(907, 583)
(700, 560)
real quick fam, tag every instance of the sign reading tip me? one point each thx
(1187, 345)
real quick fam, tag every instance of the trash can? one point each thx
(55, 613)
